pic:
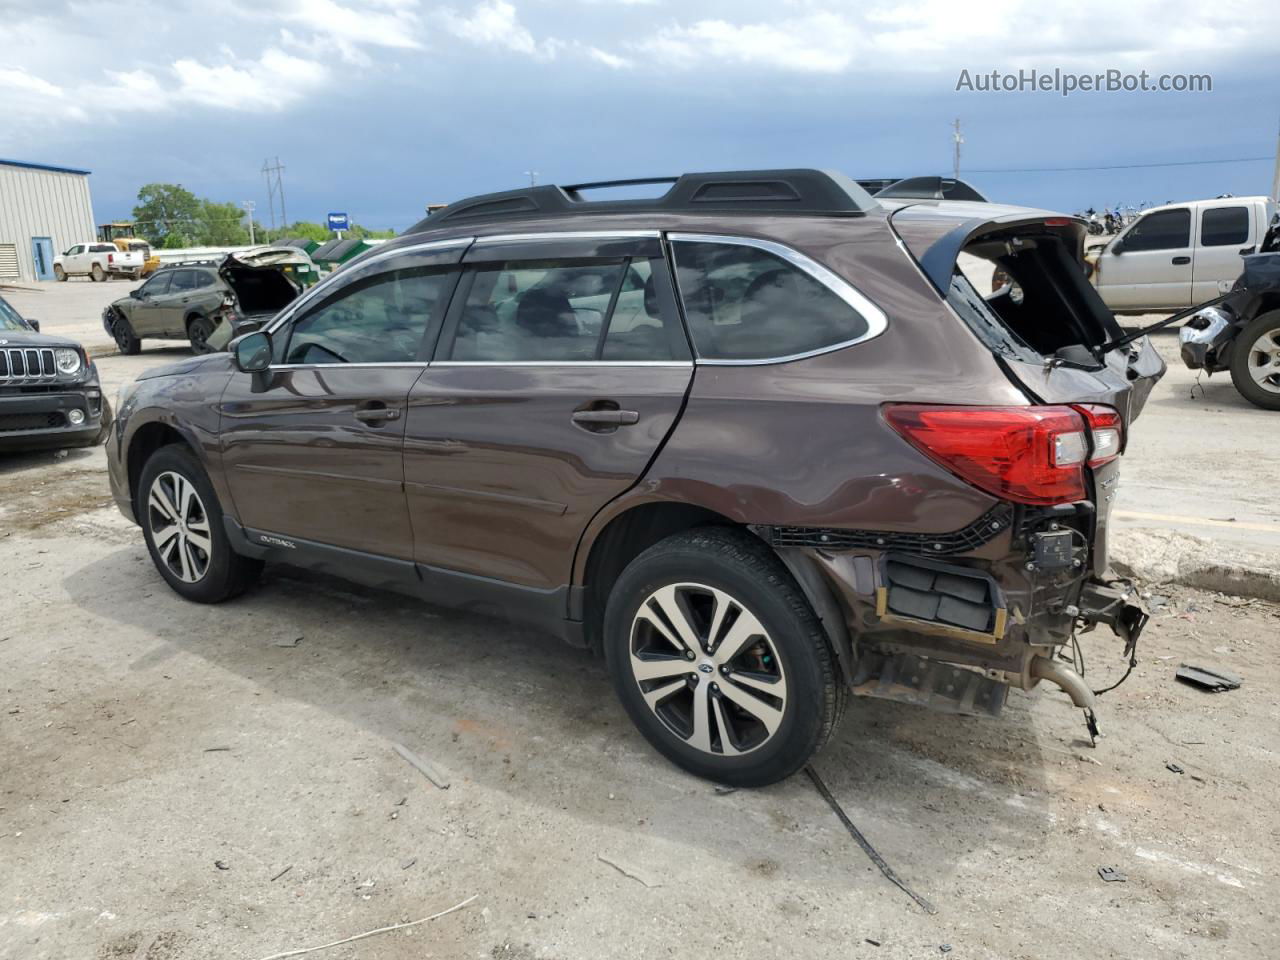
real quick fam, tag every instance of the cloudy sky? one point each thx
(378, 107)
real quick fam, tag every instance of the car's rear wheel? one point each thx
(198, 330)
(182, 522)
(719, 660)
(127, 341)
(58, 273)
(1255, 361)
(97, 273)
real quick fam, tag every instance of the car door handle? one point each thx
(377, 414)
(1180, 261)
(607, 418)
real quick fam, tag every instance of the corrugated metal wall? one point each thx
(43, 203)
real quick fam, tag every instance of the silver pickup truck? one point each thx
(99, 261)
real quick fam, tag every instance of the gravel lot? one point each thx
(144, 741)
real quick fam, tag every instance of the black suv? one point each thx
(49, 390)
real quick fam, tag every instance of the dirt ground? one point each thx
(162, 764)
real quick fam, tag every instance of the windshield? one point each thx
(9, 318)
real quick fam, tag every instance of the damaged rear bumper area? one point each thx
(952, 622)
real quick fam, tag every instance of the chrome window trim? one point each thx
(572, 235)
(562, 363)
(877, 321)
(289, 312)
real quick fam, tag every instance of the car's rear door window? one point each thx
(1224, 226)
(382, 319)
(745, 302)
(184, 280)
(565, 311)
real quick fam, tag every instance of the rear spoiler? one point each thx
(922, 188)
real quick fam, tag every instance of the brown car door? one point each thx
(561, 369)
(312, 449)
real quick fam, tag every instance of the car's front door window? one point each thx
(157, 286)
(1165, 230)
(383, 319)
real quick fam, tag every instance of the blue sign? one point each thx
(339, 221)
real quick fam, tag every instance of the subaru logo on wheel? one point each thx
(705, 668)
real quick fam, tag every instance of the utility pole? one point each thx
(248, 208)
(533, 177)
(1275, 180)
(957, 139)
(274, 175)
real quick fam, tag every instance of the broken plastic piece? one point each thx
(1111, 875)
(1091, 722)
(1215, 681)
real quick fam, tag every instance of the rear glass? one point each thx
(744, 303)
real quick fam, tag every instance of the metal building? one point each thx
(43, 211)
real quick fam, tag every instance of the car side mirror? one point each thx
(135, 294)
(33, 324)
(251, 352)
(1117, 247)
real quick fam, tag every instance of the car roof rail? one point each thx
(798, 191)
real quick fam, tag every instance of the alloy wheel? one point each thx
(708, 669)
(179, 527)
(1264, 361)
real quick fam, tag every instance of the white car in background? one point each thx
(99, 261)
(1176, 256)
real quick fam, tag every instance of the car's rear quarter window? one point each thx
(745, 303)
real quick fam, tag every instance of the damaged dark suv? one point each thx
(758, 440)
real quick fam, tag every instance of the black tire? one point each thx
(1242, 360)
(127, 341)
(225, 573)
(59, 274)
(198, 330)
(739, 564)
(97, 273)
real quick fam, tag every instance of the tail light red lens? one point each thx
(1106, 430)
(1032, 455)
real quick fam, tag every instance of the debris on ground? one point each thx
(625, 871)
(217, 749)
(288, 641)
(1212, 680)
(865, 844)
(1173, 767)
(222, 865)
(944, 948)
(422, 766)
(371, 933)
(722, 790)
(408, 863)
(874, 943)
(282, 873)
(1112, 875)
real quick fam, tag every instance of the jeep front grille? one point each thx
(27, 364)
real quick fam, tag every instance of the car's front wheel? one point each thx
(1255, 361)
(182, 522)
(127, 341)
(719, 659)
(58, 273)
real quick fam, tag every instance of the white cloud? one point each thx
(495, 23)
(933, 35)
(609, 59)
(269, 82)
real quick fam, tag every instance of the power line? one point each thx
(1121, 166)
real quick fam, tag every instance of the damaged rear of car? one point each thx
(258, 287)
(951, 621)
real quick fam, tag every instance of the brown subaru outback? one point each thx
(758, 440)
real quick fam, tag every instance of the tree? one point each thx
(221, 224)
(166, 214)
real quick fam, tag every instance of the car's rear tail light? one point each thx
(1030, 455)
(111, 259)
(1107, 432)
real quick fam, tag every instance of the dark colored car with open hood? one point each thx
(50, 396)
(758, 440)
(206, 302)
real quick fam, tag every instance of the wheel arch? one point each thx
(144, 441)
(612, 543)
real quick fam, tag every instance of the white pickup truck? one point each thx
(1176, 256)
(99, 261)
